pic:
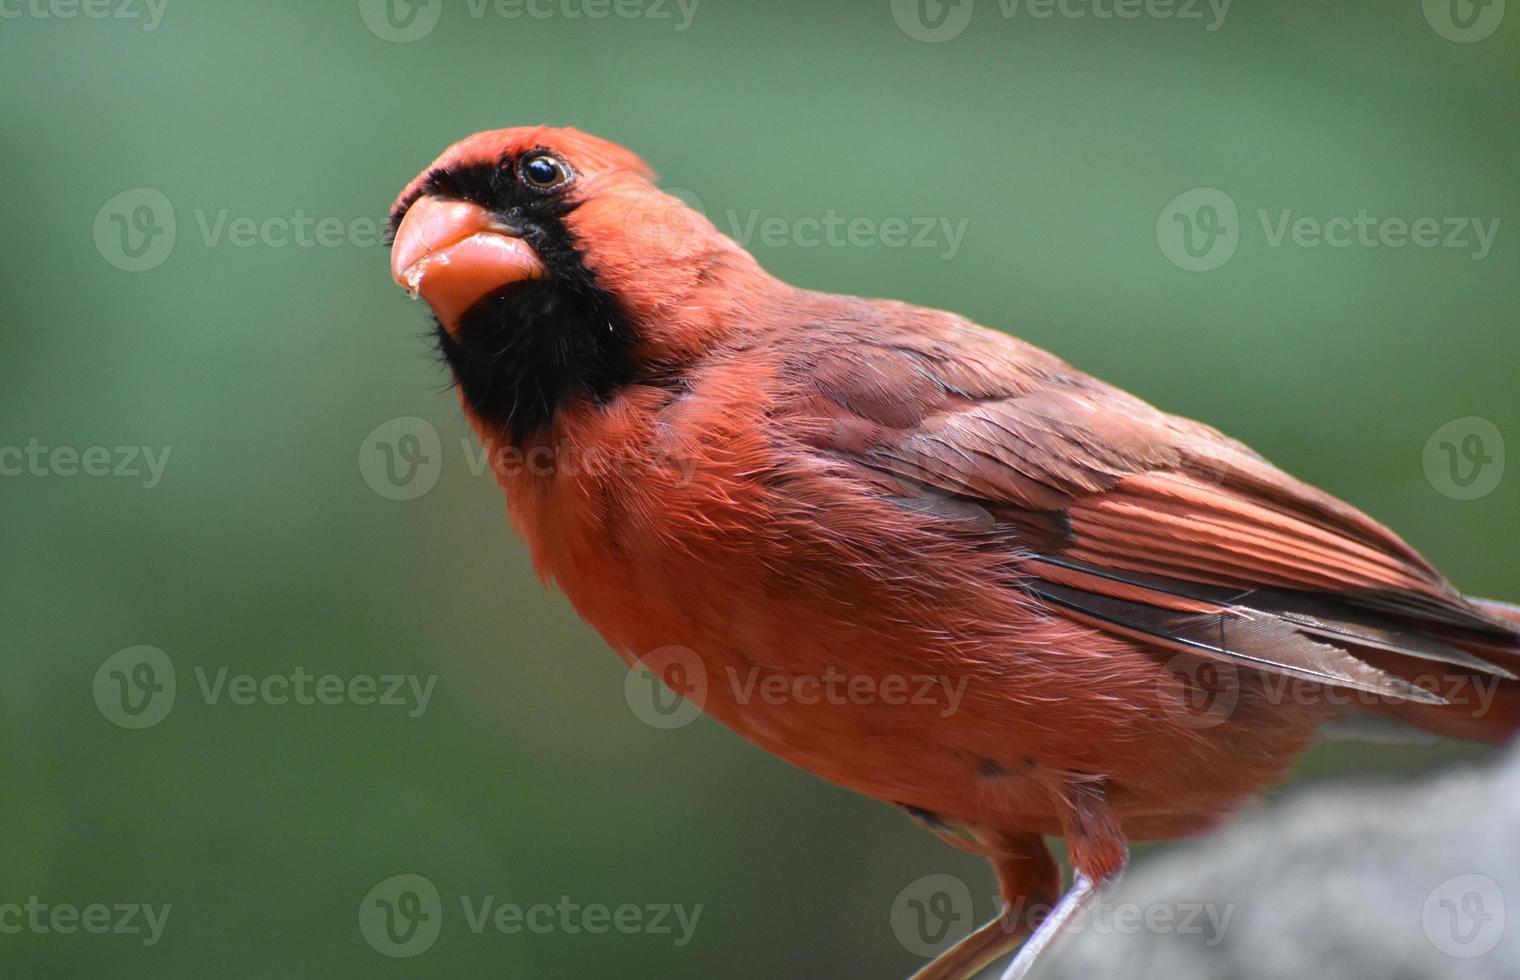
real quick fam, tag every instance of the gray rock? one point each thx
(1419, 882)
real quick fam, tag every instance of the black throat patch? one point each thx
(526, 351)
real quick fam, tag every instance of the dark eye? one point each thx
(544, 171)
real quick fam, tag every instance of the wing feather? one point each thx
(1141, 523)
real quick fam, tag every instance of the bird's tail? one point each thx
(1503, 611)
(1481, 707)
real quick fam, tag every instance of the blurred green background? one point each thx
(262, 369)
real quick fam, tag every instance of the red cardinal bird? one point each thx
(1147, 621)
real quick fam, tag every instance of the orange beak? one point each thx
(452, 253)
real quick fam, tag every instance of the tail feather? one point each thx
(1503, 611)
(1479, 708)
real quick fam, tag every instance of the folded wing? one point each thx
(1135, 521)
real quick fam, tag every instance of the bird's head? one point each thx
(557, 270)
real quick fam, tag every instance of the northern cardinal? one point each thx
(1147, 620)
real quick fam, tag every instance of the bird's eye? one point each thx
(544, 171)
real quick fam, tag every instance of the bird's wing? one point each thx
(1130, 519)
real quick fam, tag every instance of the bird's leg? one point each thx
(1027, 876)
(971, 955)
(1098, 856)
(1071, 905)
